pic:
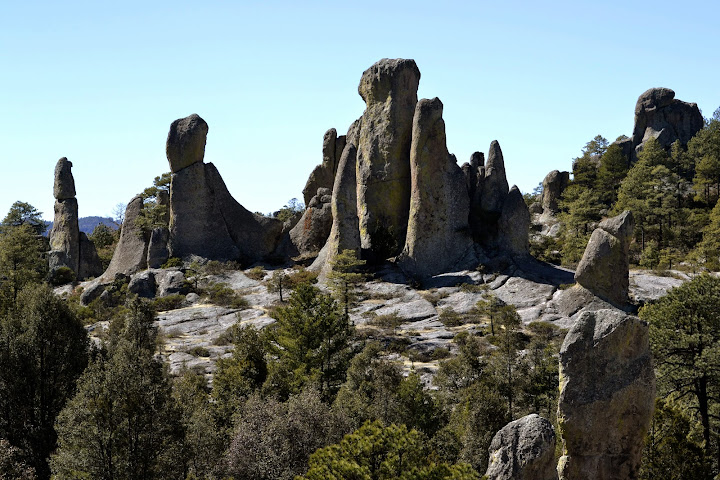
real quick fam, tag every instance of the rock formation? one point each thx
(68, 246)
(323, 176)
(604, 267)
(131, 252)
(607, 394)
(438, 235)
(660, 115)
(389, 89)
(495, 185)
(205, 220)
(311, 232)
(554, 185)
(523, 450)
(514, 224)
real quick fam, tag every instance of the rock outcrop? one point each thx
(554, 185)
(131, 252)
(607, 394)
(658, 114)
(323, 176)
(604, 267)
(311, 232)
(389, 89)
(514, 224)
(205, 220)
(68, 246)
(523, 450)
(438, 234)
(495, 184)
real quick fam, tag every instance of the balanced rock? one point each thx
(131, 252)
(607, 394)
(311, 232)
(495, 185)
(345, 230)
(604, 267)
(514, 224)
(186, 142)
(389, 89)
(523, 450)
(323, 176)
(554, 185)
(438, 235)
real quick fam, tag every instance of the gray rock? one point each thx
(170, 282)
(323, 176)
(92, 291)
(495, 185)
(311, 232)
(438, 234)
(514, 224)
(90, 264)
(554, 185)
(131, 252)
(607, 395)
(604, 266)
(523, 450)
(64, 185)
(185, 144)
(158, 252)
(389, 89)
(65, 236)
(142, 284)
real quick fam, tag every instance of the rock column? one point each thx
(65, 234)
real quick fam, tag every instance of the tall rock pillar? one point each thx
(65, 234)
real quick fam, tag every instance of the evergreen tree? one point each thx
(344, 278)
(709, 247)
(22, 213)
(21, 263)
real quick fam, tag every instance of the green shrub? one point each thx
(301, 276)
(221, 294)
(172, 262)
(256, 273)
(390, 320)
(450, 318)
(62, 275)
(171, 302)
(199, 351)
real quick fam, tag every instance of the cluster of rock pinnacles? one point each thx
(389, 189)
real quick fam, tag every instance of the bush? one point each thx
(172, 262)
(199, 351)
(256, 273)
(62, 276)
(301, 276)
(221, 294)
(450, 318)
(390, 320)
(171, 302)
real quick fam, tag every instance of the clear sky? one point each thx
(100, 83)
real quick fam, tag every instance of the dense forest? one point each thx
(312, 396)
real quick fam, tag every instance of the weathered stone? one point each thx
(90, 263)
(389, 89)
(64, 185)
(65, 236)
(607, 394)
(323, 175)
(170, 282)
(142, 284)
(514, 224)
(495, 185)
(553, 186)
(604, 266)
(158, 252)
(185, 144)
(345, 230)
(438, 235)
(131, 252)
(311, 232)
(92, 291)
(205, 220)
(523, 450)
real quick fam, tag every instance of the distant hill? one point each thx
(88, 224)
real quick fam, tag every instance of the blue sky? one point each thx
(100, 83)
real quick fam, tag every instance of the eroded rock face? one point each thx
(90, 263)
(389, 89)
(186, 142)
(495, 185)
(607, 394)
(438, 235)
(131, 252)
(323, 176)
(554, 185)
(660, 115)
(514, 224)
(158, 252)
(311, 232)
(523, 450)
(64, 185)
(604, 267)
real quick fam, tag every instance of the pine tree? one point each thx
(344, 278)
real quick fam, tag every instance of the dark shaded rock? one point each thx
(523, 450)
(170, 282)
(92, 291)
(604, 266)
(554, 185)
(438, 235)
(323, 175)
(65, 236)
(185, 144)
(131, 252)
(536, 208)
(495, 185)
(64, 185)
(142, 284)
(90, 264)
(158, 252)
(389, 89)
(163, 199)
(607, 395)
(311, 232)
(514, 224)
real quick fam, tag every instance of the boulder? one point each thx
(185, 144)
(604, 267)
(158, 253)
(389, 89)
(131, 252)
(65, 236)
(523, 450)
(311, 232)
(345, 230)
(64, 185)
(495, 184)
(438, 235)
(554, 185)
(92, 291)
(607, 395)
(170, 282)
(142, 284)
(323, 175)
(514, 224)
